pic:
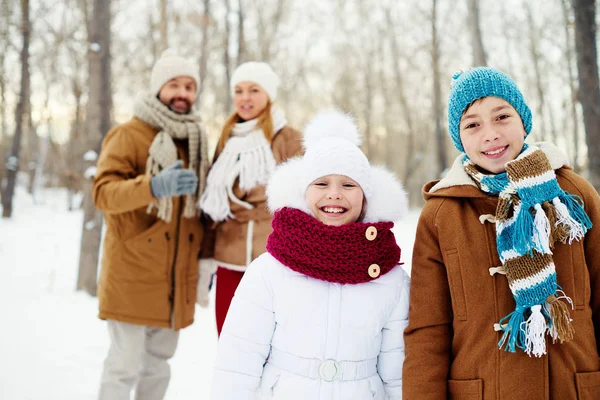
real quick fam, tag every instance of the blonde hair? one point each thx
(265, 122)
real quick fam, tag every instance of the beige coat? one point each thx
(451, 346)
(231, 237)
(149, 267)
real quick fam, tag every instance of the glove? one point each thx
(174, 181)
(206, 269)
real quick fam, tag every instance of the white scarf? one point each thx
(247, 154)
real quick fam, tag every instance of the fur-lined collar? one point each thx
(457, 176)
(388, 201)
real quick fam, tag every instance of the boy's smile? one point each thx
(492, 133)
(335, 199)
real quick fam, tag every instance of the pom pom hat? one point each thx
(257, 72)
(477, 83)
(331, 143)
(170, 65)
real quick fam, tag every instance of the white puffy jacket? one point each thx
(288, 336)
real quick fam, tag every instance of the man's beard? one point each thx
(187, 110)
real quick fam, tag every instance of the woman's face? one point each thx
(249, 99)
(492, 133)
(335, 199)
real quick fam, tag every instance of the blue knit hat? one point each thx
(476, 83)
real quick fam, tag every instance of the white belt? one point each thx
(328, 370)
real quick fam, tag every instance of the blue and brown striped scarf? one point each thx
(533, 213)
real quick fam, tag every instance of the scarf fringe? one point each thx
(561, 328)
(513, 336)
(553, 319)
(571, 217)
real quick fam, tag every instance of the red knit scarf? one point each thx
(339, 254)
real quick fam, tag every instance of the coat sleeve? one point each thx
(287, 144)
(391, 357)
(245, 340)
(428, 336)
(117, 186)
(592, 254)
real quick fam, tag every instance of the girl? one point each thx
(255, 138)
(505, 292)
(321, 315)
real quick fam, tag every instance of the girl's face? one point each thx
(492, 133)
(249, 99)
(335, 199)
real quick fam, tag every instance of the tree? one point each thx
(97, 124)
(22, 114)
(572, 88)
(589, 92)
(479, 57)
(437, 93)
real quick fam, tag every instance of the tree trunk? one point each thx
(226, 61)
(535, 60)
(98, 122)
(21, 115)
(241, 53)
(479, 58)
(589, 92)
(206, 22)
(164, 43)
(572, 88)
(437, 93)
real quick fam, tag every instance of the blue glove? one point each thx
(174, 181)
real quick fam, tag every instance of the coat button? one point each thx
(374, 270)
(371, 233)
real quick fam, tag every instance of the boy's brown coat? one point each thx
(451, 346)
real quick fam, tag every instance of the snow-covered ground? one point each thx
(52, 344)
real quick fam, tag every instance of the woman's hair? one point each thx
(265, 122)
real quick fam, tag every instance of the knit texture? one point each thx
(257, 72)
(247, 158)
(533, 213)
(339, 254)
(477, 83)
(170, 65)
(163, 152)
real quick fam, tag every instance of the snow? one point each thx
(52, 343)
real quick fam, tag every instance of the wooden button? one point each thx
(371, 233)
(374, 270)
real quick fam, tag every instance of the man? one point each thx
(150, 173)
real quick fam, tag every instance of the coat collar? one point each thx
(457, 183)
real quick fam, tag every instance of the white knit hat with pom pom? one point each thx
(331, 142)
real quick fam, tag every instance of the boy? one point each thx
(505, 295)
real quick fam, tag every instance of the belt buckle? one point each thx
(329, 369)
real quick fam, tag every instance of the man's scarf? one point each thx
(533, 213)
(163, 152)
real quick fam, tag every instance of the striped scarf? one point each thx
(533, 214)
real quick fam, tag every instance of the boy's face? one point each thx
(492, 133)
(335, 199)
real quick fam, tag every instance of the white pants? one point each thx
(139, 355)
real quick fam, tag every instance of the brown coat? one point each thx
(451, 346)
(230, 236)
(149, 267)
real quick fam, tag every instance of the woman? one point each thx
(254, 139)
